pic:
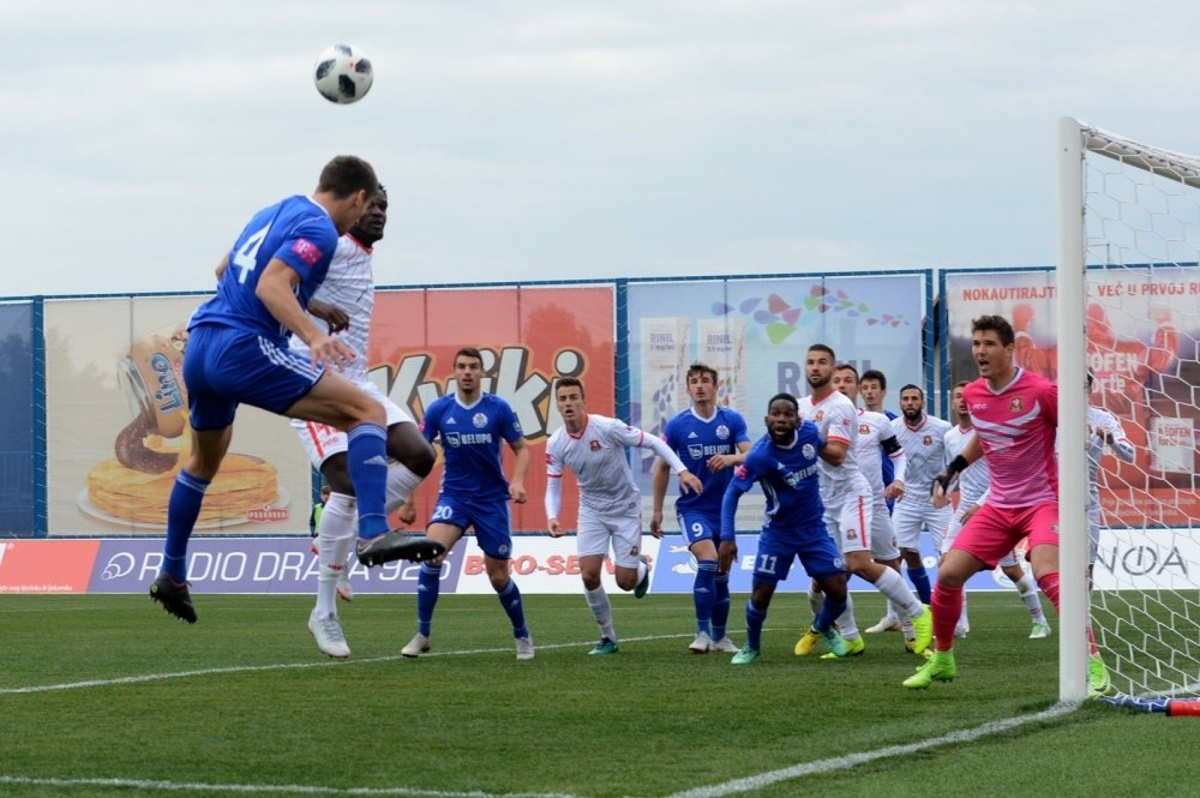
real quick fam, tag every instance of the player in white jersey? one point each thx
(876, 438)
(345, 301)
(610, 504)
(923, 438)
(1103, 430)
(972, 487)
(848, 502)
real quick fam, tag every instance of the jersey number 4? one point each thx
(246, 258)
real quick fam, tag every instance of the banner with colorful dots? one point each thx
(756, 332)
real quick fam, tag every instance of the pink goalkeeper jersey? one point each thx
(1017, 426)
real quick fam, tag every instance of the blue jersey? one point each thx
(470, 439)
(298, 232)
(790, 482)
(889, 468)
(695, 440)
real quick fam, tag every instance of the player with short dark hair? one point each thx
(471, 425)
(785, 461)
(238, 354)
(710, 440)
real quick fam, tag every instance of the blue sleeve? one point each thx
(309, 247)
(429, 425)
(510, 425)
(744, 477)
(669, 434)
(739, 430)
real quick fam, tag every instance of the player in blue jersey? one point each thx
(471, 425)
(784, 461)
(710, 440)
(238, 353)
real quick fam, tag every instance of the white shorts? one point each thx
(321, 441)
(849, 522)
(883, 536)
(910, 516)
(956, 524)
(620, 530)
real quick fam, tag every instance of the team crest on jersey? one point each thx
(594, 446)
(722, 431)
(809, 451)
(864, 429)
(820, 415)
(1016, 405)
(927, 440)
(696, 452)
(479, 420)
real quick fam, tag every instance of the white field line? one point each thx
(733, 787)
(757, 782)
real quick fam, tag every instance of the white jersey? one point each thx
(873, 429)
(974, 482)
(925, 447)
(836, 418)
(350, 287)
(1101, 424)
(597, 456)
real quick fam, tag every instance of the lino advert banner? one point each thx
(46, 566)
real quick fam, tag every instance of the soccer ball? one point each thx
(343, 74)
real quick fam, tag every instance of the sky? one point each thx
(532, 140)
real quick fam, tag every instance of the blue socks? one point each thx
(428, 583)
(510, 600)
(754, 624)
(704, 594)
(720, 613)
(830, 611)
(920, 581)
(183, 508)
(366, 455)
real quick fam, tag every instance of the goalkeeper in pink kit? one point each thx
(1015, 413)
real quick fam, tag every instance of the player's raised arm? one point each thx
(659, 480)
(276, 290)
(688, 481)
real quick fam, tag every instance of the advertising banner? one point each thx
(529, 337)
(1142, 349)
(117, 430)
(756, 334)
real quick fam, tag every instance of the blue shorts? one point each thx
(817, 552)
(488, 517)
(699, 526)
(224, 367)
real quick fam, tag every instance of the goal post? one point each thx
(1127, 310)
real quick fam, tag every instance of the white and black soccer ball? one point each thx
(343, 74)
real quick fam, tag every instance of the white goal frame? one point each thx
(1075, 139)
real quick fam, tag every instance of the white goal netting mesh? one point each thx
(1142, 246)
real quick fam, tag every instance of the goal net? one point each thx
(1128, 314)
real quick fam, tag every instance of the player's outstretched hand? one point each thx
(327, 350)
(727, 553)
(516, 492)
(656, 529)
(690, 482)
(554, 529)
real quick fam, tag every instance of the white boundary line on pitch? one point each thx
(823, 766)
(286, 789)
(324, 663)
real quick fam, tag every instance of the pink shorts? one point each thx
(994, 531)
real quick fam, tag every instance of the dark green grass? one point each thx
(649, 721)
